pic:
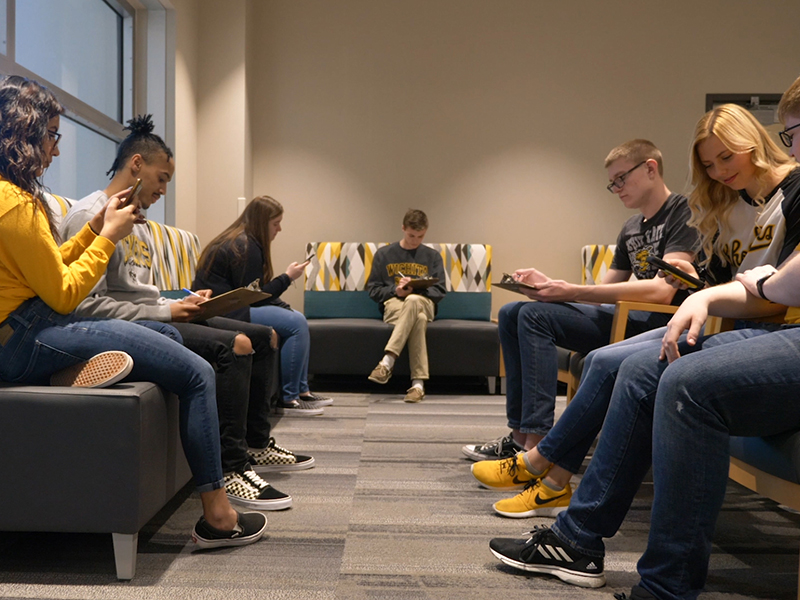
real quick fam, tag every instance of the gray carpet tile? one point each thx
(390, 511)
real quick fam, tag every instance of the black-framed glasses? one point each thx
(54, 135)
(785, 137)
(619, 180)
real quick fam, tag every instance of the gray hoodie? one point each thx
(124, 291)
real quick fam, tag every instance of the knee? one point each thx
(506, 313)
(242, 345)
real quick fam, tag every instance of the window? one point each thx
(764, 107)
(83, 50)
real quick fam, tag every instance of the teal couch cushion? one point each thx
(471, 306)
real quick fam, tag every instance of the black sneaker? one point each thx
(316, 400)
(637, 593)
(502, 447)
(247, 489)
(543, 552)
(249, 528)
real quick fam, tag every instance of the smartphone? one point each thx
(307, 258)
(693, 282)
(134, 190)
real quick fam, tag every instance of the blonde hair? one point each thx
(790, 102)
(712, 201)
(636, 151)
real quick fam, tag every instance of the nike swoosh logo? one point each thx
(518, 482)
(542, 502)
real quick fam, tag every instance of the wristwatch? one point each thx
(760, 285)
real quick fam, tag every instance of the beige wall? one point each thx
(493, 117)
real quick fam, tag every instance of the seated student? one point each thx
(731, 149)
(408, 309)
(241, 361)
(41, 284)
(242, 254)
(530, 331)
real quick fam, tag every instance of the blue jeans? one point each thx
(44, 342)
(295, 342)
(624, 451)
(529, 333)
(744, 383)
(570, 439)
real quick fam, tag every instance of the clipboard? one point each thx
(515, 286)
(512, 285)
(422, 283)
(225, 303)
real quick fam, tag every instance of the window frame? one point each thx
(148, 32)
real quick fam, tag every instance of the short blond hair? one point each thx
(636, 151)
(790, 102)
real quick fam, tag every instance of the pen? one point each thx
(188, 291)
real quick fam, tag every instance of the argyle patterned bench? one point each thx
(462, 340)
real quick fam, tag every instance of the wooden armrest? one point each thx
(624, 307)
(719, 324)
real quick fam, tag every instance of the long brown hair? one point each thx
(25, 109)
(254, 222)
(712, 201)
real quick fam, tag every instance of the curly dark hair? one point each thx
(141, 140)
(25, 109)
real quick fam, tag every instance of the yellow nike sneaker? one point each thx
(536, 500)
(507, 474)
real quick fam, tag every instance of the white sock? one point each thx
(418, 383)
(388, 360)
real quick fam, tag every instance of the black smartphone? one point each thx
(307, 258)
(693, 282)
(134, 190)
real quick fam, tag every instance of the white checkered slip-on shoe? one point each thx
(316, 400)
(102, 370)
(247, 489)
(274, 458)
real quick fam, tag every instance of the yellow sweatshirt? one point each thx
(32, 265)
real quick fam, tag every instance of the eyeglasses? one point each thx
(54, 135)
(619, 180)
(785, 137)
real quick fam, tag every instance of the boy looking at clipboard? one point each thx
(407, 281)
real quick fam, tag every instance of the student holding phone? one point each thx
(746, 207)
(241, 353)
(242, 254)
(43, 283)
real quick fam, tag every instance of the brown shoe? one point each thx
(102, 370)
(380, 374)
(414, 394)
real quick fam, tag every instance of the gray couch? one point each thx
(347, 332)
(109, 460)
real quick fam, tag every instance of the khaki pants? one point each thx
(410, 318)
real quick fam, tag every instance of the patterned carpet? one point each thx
(390, 512)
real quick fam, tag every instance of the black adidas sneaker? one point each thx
(543, 552)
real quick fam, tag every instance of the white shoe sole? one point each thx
(285, 467)
(300, 412)
(102, 370)
(536, 512)
(278, 504)
(579, 579)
